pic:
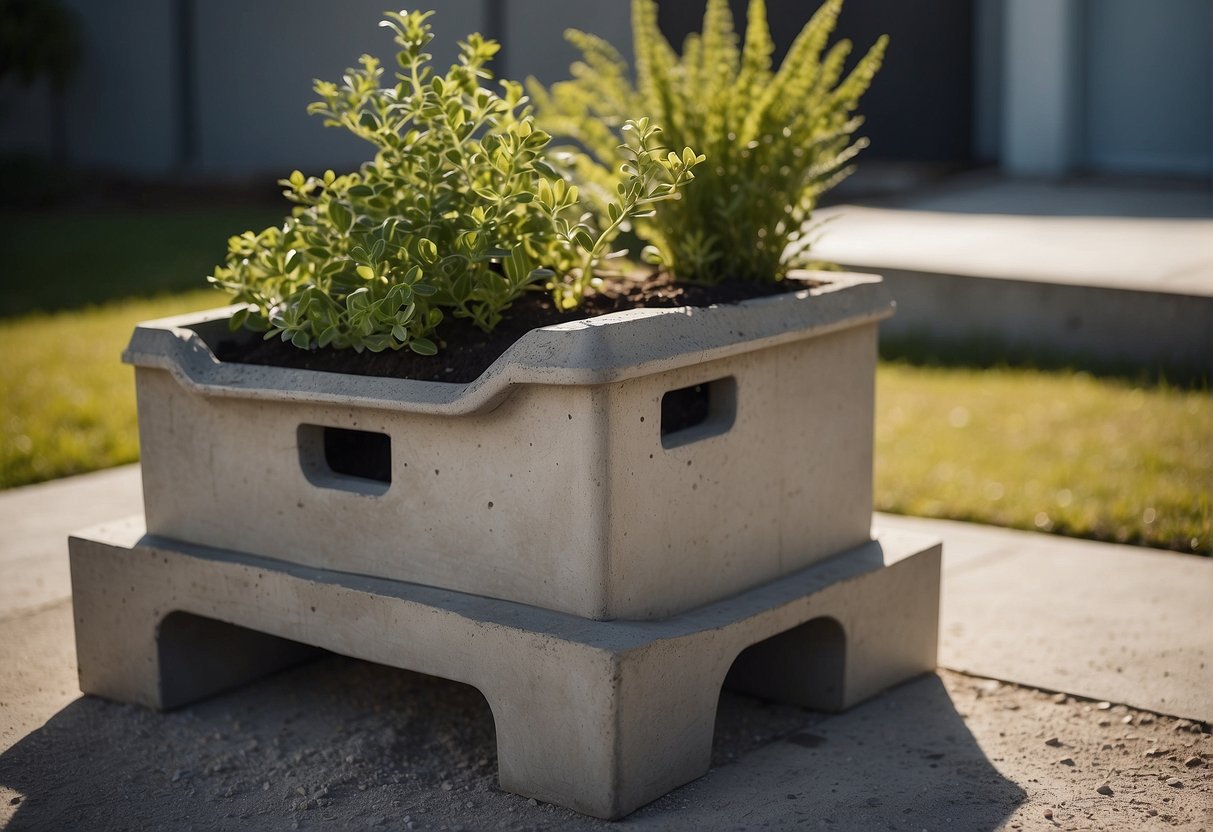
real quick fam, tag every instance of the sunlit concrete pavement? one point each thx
(1096, 269)
(1098, 621)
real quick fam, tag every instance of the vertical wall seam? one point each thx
(183, 24)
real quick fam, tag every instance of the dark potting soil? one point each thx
(464, 352)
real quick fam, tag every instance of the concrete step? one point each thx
(1103, 271)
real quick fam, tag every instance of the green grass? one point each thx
(1057, 451)
(69, 403)
(69, 260)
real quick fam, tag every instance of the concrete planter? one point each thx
(707, 472)
(560, 477)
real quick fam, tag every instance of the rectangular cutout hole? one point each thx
(351, 460)
(698, 411)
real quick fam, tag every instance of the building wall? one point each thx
(255, 64)
(987, 79)
(121, 106)
(219, 87)
(1106, 85)
(1148, 80)
(533, 41)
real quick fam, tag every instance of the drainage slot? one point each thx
(350, 460)
(689, 414)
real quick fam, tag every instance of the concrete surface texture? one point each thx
(1148, 237)
(338, 743)
(1148, 643)
(568, 423)
(1112, 270)
(602, 717)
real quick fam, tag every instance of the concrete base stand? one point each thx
(599, 716)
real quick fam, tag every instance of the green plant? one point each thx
(460, 210)
(774, 140)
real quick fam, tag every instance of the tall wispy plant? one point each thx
(775, 139)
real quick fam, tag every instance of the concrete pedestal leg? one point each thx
(606, 734)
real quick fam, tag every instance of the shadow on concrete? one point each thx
(1103, 196)
(339, 742)
(902, 761)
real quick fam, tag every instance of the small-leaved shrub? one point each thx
(774, 140)
(459, 212)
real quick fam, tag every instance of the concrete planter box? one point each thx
(705, 471)
(552, 480)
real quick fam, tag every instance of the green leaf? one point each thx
(341, 217)
(518, 266)
(423, 346)
(582, 238)
(427, 251)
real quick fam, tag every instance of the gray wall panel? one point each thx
(122, 105)
(255, 66)
(1149, 86)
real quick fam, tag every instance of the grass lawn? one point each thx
(68, 260)
(1056, 451)
(69, 402)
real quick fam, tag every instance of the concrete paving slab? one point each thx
(1118, 623)
(36, 521)
(1144, 254)
(1125, 236)
(1093, 272)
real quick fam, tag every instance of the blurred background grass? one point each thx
(1056, 450)
(59, 260)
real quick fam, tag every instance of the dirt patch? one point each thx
(465, 351)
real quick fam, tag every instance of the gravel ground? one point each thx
(343, 744)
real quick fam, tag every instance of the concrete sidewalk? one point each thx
(339, 743)
(1108, 269)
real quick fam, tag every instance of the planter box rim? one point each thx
(600, 350)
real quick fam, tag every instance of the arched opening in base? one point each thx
(803, 666)
(200, 657)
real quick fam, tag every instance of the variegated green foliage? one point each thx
(775, 140)
(459, 212)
